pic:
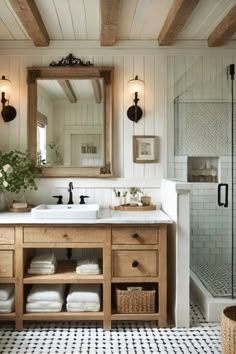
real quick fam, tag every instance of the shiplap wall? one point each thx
(151, 69)
(165, 76)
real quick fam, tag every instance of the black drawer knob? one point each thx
(135, 264)
(135, 235)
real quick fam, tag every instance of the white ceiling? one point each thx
(138, 19)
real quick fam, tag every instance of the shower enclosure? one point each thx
(205, 156)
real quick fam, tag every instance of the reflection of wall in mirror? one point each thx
(63, 115)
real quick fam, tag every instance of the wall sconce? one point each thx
(8, 112)
(134, 112)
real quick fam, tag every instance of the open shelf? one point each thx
(65, 273)
(135, 279)
(135, 316)
(11, 316)
(64, 315)
(7, 280)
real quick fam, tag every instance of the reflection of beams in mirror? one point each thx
(97, 91)
(66, 87)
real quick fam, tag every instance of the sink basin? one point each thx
(67, 211)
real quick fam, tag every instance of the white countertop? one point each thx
(106, 216)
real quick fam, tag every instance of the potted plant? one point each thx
(17, 173)
(134, 195)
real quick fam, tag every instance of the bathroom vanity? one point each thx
(134, 251)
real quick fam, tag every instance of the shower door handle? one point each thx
(225, 203)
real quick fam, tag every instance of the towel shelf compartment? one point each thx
(64, 234)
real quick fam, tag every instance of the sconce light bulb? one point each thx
(5, 86)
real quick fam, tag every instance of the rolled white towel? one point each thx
(5, 291)
(46, 292)
(44, 306)
(8, 305)
(82, 306)
(44, 259)
(84, 292)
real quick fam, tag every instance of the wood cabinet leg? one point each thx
(19, 324)
(107, 324)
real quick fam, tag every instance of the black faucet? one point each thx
(70, 187)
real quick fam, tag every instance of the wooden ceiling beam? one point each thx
(30, 18)
(68, 90)
(177, 17)
(109, 21)
(97, 91)
(224, 30)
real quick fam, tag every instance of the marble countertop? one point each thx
(106, 216)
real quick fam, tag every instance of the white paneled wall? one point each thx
(151, 69)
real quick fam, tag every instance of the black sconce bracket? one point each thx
(134, 112)
(8, 112)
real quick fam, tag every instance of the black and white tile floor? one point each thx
(124, 338)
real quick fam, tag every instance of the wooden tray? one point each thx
(20, 210)
(134, 208)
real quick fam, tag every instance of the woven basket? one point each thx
(135, 301)
(228, 330)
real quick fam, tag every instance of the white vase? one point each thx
(3, 201)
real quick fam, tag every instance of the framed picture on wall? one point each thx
(144, 148)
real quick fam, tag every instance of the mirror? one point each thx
(70, 119)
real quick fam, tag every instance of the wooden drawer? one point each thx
(135, 263)
(7, 236)
(6, 264)
(135, 236)
(64, 234)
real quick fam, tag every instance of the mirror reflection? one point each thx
(70, 122)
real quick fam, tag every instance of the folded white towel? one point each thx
(84, 271)
(46, 292)
(84, 292)
(44, 306)
(42, 266)
(8, 305)
(49, 270)
(82, 306)
(42, 259)
(5, 291)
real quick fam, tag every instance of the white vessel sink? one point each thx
(65, 211)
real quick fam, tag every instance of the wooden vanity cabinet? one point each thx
(131, 254)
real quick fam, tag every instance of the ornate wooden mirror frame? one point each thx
(71, 68)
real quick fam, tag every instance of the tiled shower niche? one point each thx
(203, 169)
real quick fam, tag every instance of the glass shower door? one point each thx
(205, 156)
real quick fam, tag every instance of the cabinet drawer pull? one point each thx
(135, 264)
(135, 235)
(65, 236)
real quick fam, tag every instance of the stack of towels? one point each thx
(43, 264)
(45, 298)
(88, 266)
(7, 298)
(83, 297)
